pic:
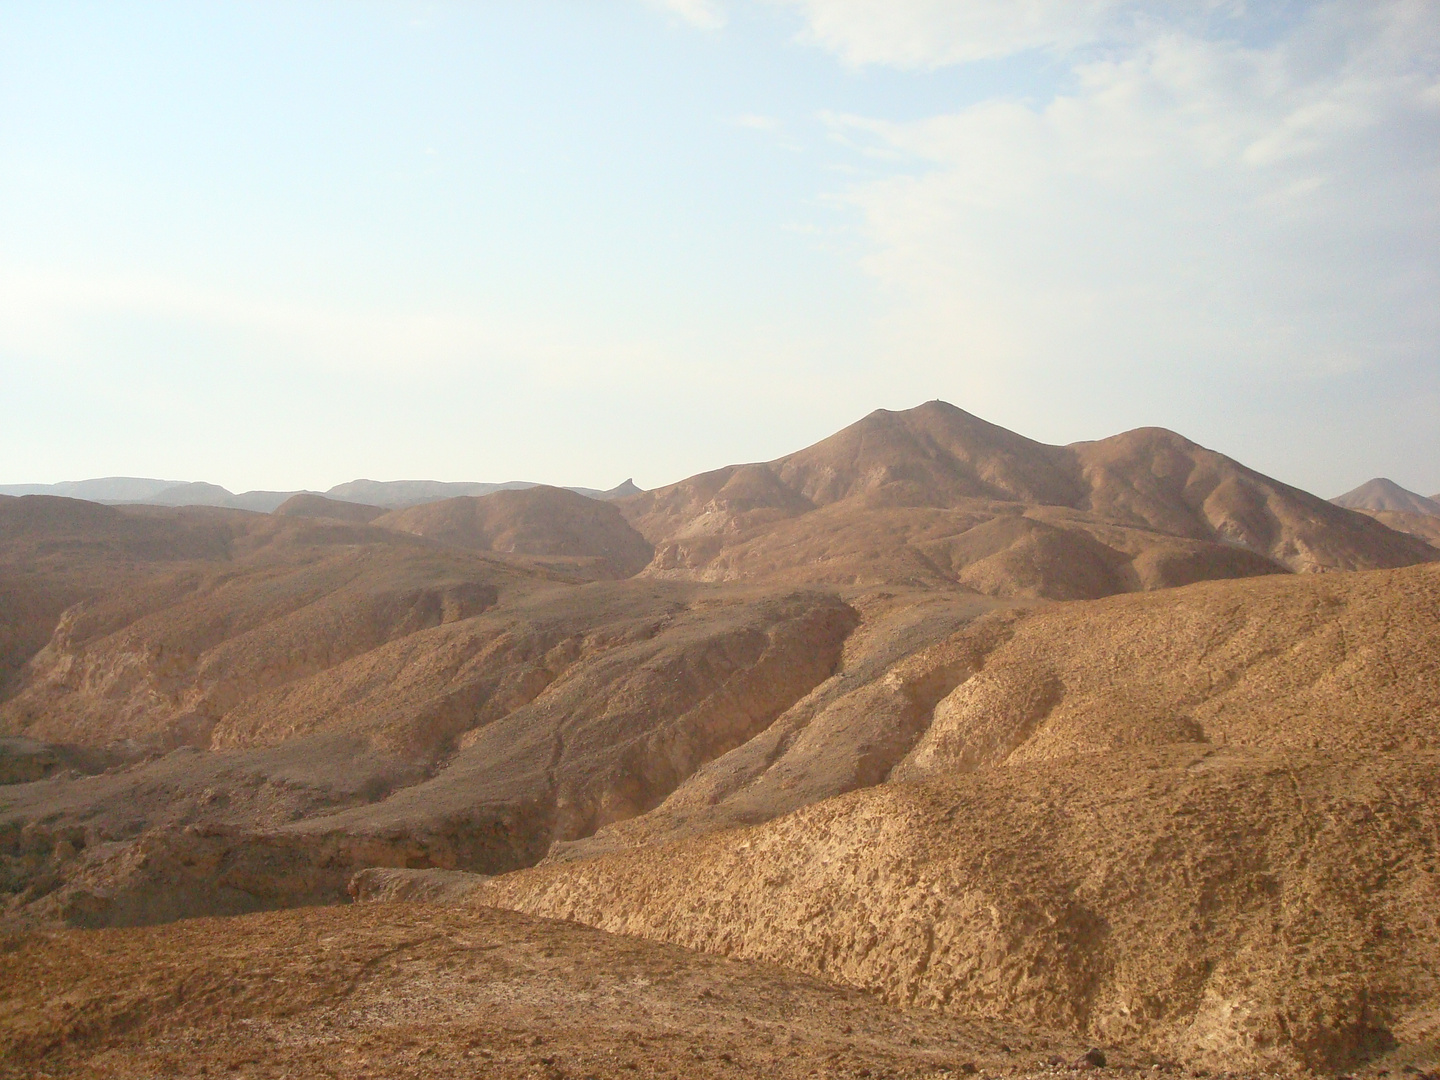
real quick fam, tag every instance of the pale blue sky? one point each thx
(287, 245)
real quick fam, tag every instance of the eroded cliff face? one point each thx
(471, 745)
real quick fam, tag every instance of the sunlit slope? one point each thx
(1201, 820)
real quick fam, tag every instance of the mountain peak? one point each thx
(1384, 494)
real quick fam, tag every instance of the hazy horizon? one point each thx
(7, 488)
(285, 246)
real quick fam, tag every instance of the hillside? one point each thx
(1381, 494)
(935, 495)
(406, 990)
(318, 506)
(1121, 739)
(1199, 821)
(1422, 526)
(55, 552)
(538, 520)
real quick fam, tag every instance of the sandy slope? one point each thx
(386, 990)
(1202, 819)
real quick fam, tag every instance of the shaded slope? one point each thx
(318, 506)
(542, 521)
(1424, 526)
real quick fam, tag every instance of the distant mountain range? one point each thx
(389, 494)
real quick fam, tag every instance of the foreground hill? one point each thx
(935, 495)
(405, 990)
(1201, 821)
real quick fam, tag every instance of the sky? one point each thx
(286, 245)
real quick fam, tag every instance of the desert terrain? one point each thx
(928, 749)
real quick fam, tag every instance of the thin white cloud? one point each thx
(1192, 205)
(932, 33)
(705, 14)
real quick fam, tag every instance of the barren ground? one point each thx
(399, 989)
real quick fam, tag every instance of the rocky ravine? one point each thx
(1202, 822)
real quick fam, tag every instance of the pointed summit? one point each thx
(1383, 494)
(935, 493)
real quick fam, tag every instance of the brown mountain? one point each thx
(543, 521)
(936, 495)
(1396, 508)
(1382, 494)
(307, 504)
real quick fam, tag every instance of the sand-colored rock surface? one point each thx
(384, 990)
(474, 745)
(55, 552)
(1077, 737)
(1202, 820)
(161, 661)
(1233, 909)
